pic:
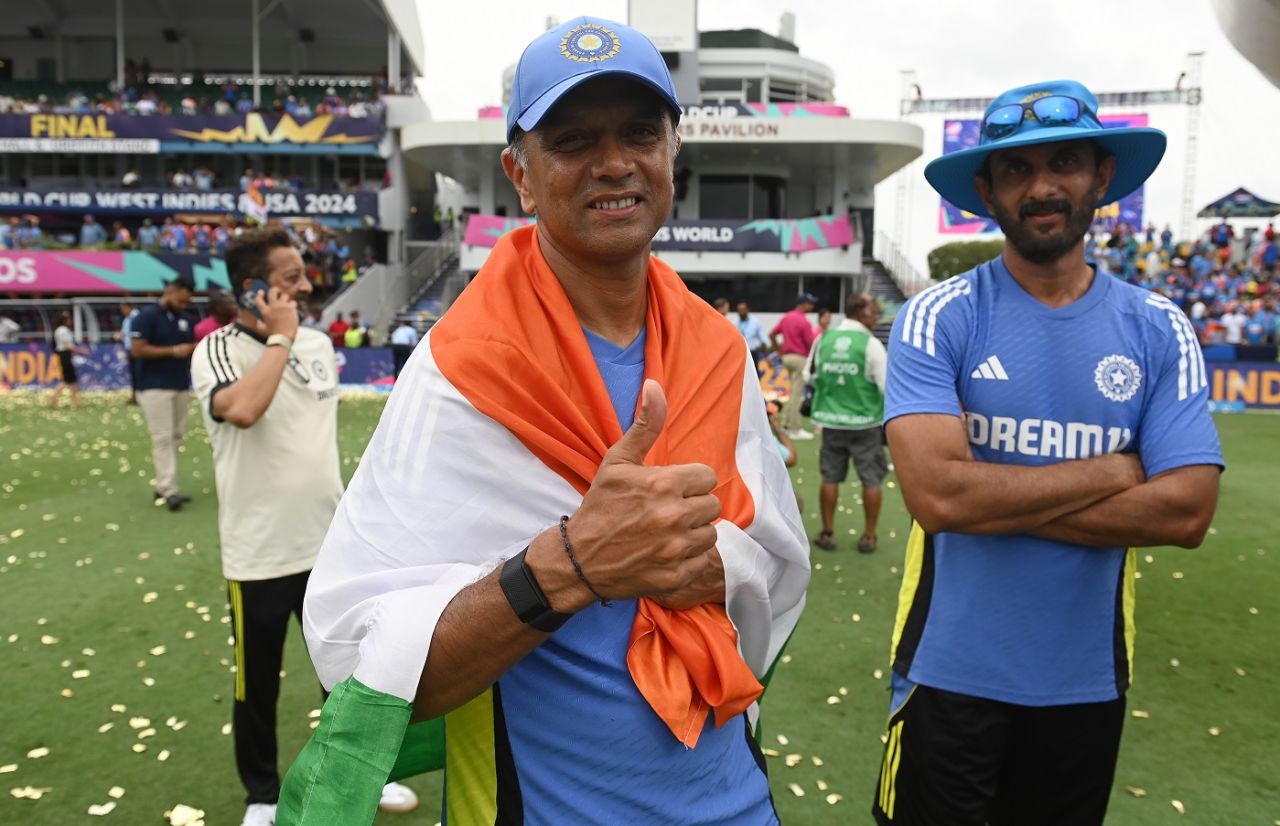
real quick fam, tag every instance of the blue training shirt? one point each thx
(572, 710)
(1016, 618)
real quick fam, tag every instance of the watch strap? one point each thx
(526, 597)
(280, 340)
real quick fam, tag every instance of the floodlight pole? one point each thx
(902, 198)
(257, 58)
(1194, 96)
(120, 44)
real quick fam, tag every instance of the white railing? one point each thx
(909, 279)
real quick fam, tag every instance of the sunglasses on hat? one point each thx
(1053, 110)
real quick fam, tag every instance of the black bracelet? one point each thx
(577, 569)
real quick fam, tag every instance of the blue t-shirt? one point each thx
(163, 328)
(1016, 618)
(572, 710)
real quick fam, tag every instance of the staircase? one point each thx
(880, 283)
(429, 305)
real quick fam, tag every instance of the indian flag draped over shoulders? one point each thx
(496, 428)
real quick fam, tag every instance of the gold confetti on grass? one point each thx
(30, 792)
(833, 700)
(1140, 714)
(36, 754)
(101, 809)
(66, 692)
(833, 798)
(768, 752)
(163, 755)
(821, 784)
(48, 639)
(817, 761)
(782, 740)
(116, 792)
(105, 727)
(1240, 672)
(139, 748)
(796, 789)
(184, 815)
(8, 767)
(137, 722)
(118, 708)
(1135, 791)
(157, 651)
(226, 728)
(190, 635)
(1178, 807)
(1214, 731)
(79, 673)
(145, 733)
(1177, 574)
(878, 674)
(793, 759)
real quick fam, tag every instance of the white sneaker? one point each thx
(259, 814)
(397, 799)
(800, 434)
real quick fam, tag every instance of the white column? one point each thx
(120, 43)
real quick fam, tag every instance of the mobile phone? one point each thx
(247, 298)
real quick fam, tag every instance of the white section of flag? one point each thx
(990, 369)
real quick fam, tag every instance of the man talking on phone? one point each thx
(268, 388)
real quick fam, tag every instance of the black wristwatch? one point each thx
(526, 598)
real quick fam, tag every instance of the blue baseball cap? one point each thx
(575, 52)
(1137, 149)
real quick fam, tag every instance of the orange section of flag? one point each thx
(512, 345)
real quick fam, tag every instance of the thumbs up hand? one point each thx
(643, 531)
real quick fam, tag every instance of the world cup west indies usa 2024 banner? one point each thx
(962, 134)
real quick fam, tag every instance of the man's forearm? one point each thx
(479, 637)
(244, 401)
(146, 350)
(1172, 509)
(988, 498)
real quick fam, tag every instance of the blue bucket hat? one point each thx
(1137, 149)
(575, 52)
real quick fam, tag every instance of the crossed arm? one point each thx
(1104, 501)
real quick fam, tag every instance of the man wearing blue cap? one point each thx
(592, 601)
(1045, 420)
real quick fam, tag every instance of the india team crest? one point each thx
(1118, 377)
(590, 43)
(843, 344)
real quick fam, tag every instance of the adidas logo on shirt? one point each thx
(990, 369)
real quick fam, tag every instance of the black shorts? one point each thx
(68, 366)
(956, 760)
(864, 447)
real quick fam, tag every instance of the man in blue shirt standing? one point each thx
(1045, 420)
(162, 337)
(752, 332)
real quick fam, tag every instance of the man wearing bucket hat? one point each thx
(1045, 420)
(592, 600)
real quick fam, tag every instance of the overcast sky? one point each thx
(958, 48)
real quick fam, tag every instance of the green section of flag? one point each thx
(364, 740)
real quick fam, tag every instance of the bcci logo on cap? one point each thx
(1118, 377)
(590, 43)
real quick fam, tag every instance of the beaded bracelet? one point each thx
(564, 538)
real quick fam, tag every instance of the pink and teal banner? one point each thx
(962, 134)
(766, 235)
(104, 273)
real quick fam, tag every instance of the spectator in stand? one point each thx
(357, 335)
(222, 108)
(245, 104)
(149, 236)
(121, 236)
(349, 274)
(722, 306)
(127, 314)
(338, 330)
(203, 238)
(203, 178)
(8, 234)
(313, 319)
(131, 179)
(29, 236)
(1233, 323)
(181, 237)
(792, 336)
(222, 311)
(246, 180)
(92, 233)
(1257, 330)
(181, 180)
(221, 237)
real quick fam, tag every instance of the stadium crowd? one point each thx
(1226, 283)
(140, 95)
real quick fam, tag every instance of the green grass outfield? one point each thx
(107, 601)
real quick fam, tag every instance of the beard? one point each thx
(1039, 248)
